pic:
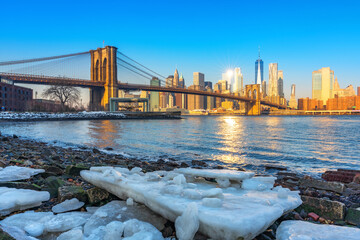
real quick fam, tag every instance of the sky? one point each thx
(195, 36)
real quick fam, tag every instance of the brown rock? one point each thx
(319, 184)
(2, 163)
(330, 209)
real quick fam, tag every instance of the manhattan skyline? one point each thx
(210, 41)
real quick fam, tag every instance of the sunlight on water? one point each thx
(305, 144)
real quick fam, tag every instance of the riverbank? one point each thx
(39, 116)
(324, 202)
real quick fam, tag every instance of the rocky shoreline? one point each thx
(336, 201)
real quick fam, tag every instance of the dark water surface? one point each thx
(302, 143)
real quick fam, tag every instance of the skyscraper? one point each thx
(293, 102)
(323, 84)
(199, 84)
(176, 79)
(273, 80)
(281, 83)
(259, 70)
(238, 81)
(154, 96)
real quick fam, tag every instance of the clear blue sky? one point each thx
(204, 36)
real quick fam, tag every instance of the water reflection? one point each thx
(105, 132)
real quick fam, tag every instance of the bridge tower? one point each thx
(253, 108)
(103, 69)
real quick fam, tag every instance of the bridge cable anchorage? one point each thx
(41, 59)
(142, 65)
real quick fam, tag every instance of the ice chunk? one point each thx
(35, 229)
(119, 211)
(73, 234)
(66, 221)
(67, 205)
(258, 183)
(215, 173)
(223, 183)
(16, 233)
(129, 202)
(98, 233)
(292, 229)
(282, 193)
(114, 230)
(22, 220)
(179, 179)
(14, 173)
(134, 226)
(211, 202)
(12, 199)
(188, 223)
(242, 213)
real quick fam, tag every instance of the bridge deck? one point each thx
(48, 80)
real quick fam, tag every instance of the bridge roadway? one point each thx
(48, 80)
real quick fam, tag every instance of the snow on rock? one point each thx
(66, 221)
(238, 213)
(58, 116)
(73, 234)
(129, 202)
(12, 199)
(67, 205)
(188, 223)
(301, 230)
(14, 173)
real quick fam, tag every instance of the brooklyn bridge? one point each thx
(104, 83)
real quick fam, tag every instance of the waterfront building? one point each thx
(228, 105)
(293, 102)
(281, 83)
(259, 70)
(181, 81)
(163, 99)
(307, 104)
(171, 101)
(210, 101)
(191, 99)
(273, 80)
(343, 103)
(323, 84)
(224, 85)
(358, 91)
(263, 89)
(154, 96)
(14, 98)
(343, 92)
(238, 81)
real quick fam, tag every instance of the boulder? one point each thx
(353, 216)
(74, 170)
(329, 209)
(96, 195)
(69, 192)
(319, 184)
(52, 184)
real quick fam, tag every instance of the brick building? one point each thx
(14, 98)
(343, 103)
(308, 104)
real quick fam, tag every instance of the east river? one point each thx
(302, 143)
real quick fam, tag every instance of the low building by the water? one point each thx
(14, 98)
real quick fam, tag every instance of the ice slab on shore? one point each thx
(67, 205)
(238, 213)
(215, 173)
(12, 199)
(301, 230)
(16, 233)
(14, 173)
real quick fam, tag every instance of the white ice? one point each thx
(301, 230)
(66, 221)
(258, 183)
(73, 234)
(67, 205)
(188, 223)
(238, 213)
(134, 226)
(14, 173)
(16, 233)
(215, 173)
(12, 199)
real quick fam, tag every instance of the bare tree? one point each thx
(65, 94)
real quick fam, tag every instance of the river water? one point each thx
(301, 143)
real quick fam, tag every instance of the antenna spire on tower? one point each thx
(259, 52)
